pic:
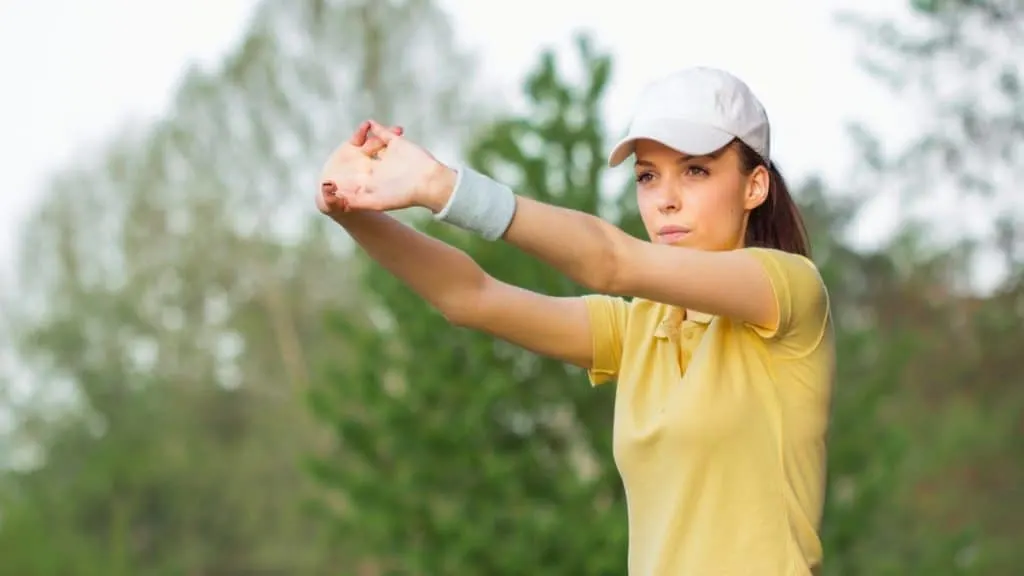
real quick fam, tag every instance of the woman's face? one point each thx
(699, 202)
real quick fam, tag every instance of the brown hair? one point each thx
(776, 223)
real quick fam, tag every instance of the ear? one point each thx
(758, 185)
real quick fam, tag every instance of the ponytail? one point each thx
(777, 222)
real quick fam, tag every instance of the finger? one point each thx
(360, 199)
(359, 136)
(338, 203)
(383, 133)
(375, 144)
(332, 192)
(329, 192)
(327, 203)
(332, 202)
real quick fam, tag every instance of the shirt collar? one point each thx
(699, 317)
(670, 324)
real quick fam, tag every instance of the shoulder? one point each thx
(791, 275)
(801, 299)
(794, 266)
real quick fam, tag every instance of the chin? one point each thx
(655, 239)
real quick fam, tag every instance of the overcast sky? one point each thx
(74, 71)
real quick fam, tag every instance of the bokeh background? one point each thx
(200, 376)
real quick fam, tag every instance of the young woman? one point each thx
(723, 354)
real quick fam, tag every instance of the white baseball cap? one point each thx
(697, 111)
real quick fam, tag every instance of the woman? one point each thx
(723, 355)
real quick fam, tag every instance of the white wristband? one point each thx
(479, 204)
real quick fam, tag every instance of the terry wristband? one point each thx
(479, 204)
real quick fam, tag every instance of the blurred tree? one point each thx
(171, 296)
(864, 442)
(958, 507)
(458, 454)
(958, 63)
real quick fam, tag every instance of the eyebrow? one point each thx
(683, 158)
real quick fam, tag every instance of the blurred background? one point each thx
(199, 376)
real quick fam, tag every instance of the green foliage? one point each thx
(170, 307)
(171, 336)
(955, 497)
(458, 454)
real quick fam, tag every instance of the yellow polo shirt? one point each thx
(720, 427)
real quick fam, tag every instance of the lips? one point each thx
(672, 234)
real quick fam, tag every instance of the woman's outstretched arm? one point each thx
(444, 276)
(455, 285)
(589, 250)
(606, 259)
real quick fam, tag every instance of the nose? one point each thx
(670, 199)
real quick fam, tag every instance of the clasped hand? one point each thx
(378, 169)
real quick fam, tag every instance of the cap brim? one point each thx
(685, 137)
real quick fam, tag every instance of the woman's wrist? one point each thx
(474, 202)
(437, 190)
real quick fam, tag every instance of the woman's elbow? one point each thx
(610, 272)
(595, 267)
(465, 308)
(458, 315)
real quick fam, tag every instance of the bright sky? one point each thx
(74, 71)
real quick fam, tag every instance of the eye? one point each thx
(696, 171)
(644, 177)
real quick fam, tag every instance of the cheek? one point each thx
(711, 203)
(648, 210)
(719, 210)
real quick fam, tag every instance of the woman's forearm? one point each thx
(581, 246)
(444, 276)
(605, 259)
(467, 296)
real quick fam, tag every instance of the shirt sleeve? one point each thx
(608, 317)
(800, 297)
